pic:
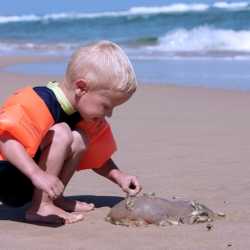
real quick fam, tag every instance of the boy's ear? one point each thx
(81, 87)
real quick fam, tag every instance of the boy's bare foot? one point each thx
(48, 213)
(73, 205)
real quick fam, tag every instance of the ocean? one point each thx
(181, 43)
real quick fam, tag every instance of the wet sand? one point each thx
(180, 141)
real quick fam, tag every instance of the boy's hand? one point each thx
(129, 184)
(47, 183)
(17, 155)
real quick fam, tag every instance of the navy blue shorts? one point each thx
(15, 188)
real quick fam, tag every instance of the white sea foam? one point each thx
(61, 16)
(173, 8)
(22, 18)
(231, 5)
(44, 48)
(204, 39)
(134, 11)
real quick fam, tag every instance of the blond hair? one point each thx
(102, 62)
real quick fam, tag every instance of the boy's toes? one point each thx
(73, 205)
(73, 218)
(84, 207)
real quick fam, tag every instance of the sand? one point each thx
(180, 141)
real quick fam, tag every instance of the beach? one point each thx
(188, 142)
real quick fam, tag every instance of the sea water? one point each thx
(182, 43)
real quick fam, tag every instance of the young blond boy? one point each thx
(98, 78)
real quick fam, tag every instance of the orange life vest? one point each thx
(27, 119)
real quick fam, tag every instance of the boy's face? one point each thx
(98, 104)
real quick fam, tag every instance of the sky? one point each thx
(19, 7)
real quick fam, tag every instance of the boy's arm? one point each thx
(15, 153)
(128, 183)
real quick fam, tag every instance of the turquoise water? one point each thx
(171, 30)
(204, 43)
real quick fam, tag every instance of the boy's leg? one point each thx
(77, 149)
(16, 189)
(55, 149)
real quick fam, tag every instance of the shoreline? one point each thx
(24, 78)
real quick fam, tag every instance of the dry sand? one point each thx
(180, 141)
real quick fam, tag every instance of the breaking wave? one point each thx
(134, 11)
(204, 39)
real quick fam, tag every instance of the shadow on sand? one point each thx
(18, 214)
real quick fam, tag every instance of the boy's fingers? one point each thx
(135, 184)
(134, 191)
(57, 191)
(134, 187)
(51, 194)
(60, 187)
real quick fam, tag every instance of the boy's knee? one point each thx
(78, 145)
(63, 134)
(60, 134)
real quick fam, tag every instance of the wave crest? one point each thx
(232, 5)
(134, 11)
(204, 39)
(173, 8)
